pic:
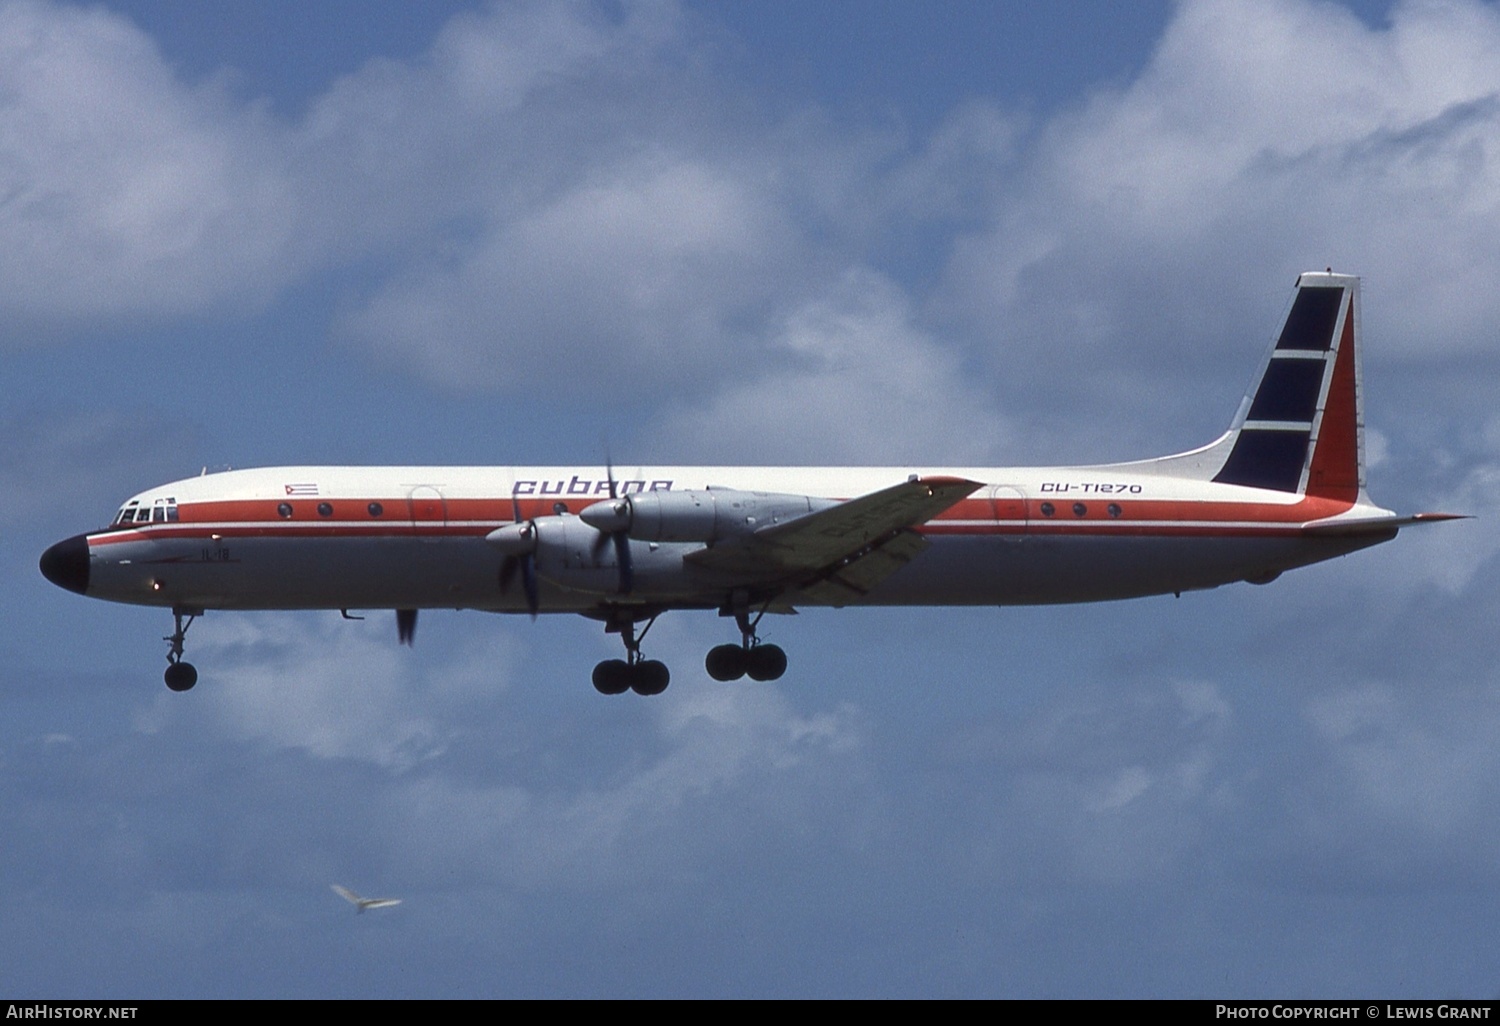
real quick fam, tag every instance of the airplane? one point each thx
(1284, 487)
(360, 904)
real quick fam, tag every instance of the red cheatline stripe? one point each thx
(1074, 527)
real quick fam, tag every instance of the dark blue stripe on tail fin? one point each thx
(1288, 391)
(1310, 324)
(1266, 459)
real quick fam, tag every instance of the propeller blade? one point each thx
(406, 626)
(527, 566)
(622, 556)
(528, 582)
(525, 562)
(620, 513)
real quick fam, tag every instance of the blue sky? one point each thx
(717, 232)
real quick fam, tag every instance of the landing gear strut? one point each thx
(643, 676)
(180, 676)
(748, 658)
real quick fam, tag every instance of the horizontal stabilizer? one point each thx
(1378, 525)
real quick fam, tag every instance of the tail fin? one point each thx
(1301, 429)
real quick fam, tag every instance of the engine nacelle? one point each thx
(706, 516)
(572, 555)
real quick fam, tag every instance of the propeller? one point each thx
(406, 626)
(616, 528)
(520, 541)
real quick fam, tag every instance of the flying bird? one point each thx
(363, 903)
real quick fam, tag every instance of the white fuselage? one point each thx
(414, 537)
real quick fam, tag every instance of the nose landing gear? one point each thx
(180, 676)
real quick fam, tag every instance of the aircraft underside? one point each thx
(462, 573)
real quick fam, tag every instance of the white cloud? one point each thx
(121, 190)
(1451, 556)
(465, 770)
(849, 378)
(1407, 778)
(636, 279)
(724, 768)
(564, 193)
(1110, 787)
(1147, 236)
(314, 683)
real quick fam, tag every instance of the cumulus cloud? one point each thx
(466, 773)
(127, 191)
(558, 186)
(645, 275)
(1404, 783)
(1111, 788)
(850, 377)
(1452, 557)
(1149, 233)
(121, 189)
(722, 770)
(313, 684)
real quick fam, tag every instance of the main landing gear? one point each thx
(748, 658)
(180, 676)
(643, 676)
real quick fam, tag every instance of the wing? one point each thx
(380, 902)
(346, 894)
(838, 554)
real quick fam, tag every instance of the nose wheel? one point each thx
(750, 658)
(633, 673)
(180, 675)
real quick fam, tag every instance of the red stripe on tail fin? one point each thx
(1336, 470)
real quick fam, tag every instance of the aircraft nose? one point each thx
(66, 564)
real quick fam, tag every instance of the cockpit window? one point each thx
(160, 511)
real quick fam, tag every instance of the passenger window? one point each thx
(325, 509)
(285, 509)
(1113, 509)
(375, 509)
(1079, 509)
(1048, 509)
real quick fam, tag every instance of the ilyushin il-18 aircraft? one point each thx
(1282, 488)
